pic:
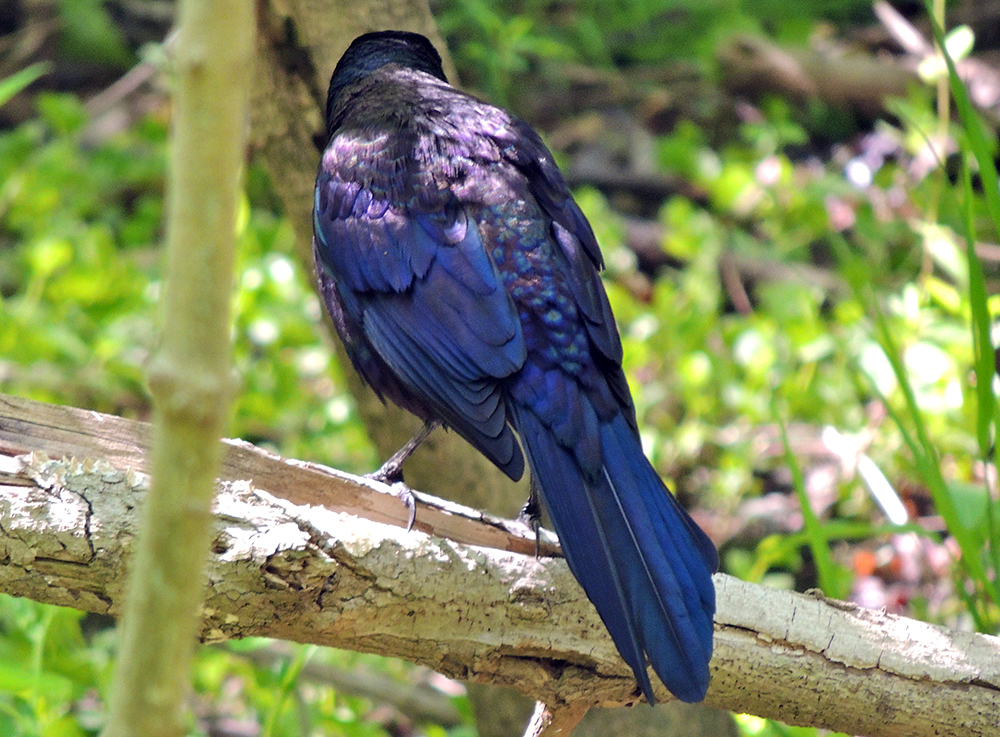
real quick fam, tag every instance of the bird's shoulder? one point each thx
(400, 116)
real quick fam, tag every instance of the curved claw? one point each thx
(406, 495)
(391, 472)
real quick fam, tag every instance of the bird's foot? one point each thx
(531, 515)
(406, 495)
(391, 474)
(391, 471)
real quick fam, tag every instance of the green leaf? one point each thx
(971, 506)
(20, 80)
(64, 726)
(959, 42)
(64, 113)
(24, 680)
(89, 33)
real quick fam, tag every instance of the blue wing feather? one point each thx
(429, 300)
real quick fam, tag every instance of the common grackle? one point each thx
(463, 280)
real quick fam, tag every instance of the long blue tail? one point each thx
(640, 558)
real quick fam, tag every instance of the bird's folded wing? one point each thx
(431, 303)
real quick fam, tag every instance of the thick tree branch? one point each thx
(351, 577)
(27, 426)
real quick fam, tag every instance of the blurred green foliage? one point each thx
(88, 34)
(495, 42)
(80, 235)
(46, 670)
(81, 229)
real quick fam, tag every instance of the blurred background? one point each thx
(798, 246)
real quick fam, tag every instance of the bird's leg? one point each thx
(531, 515)
(391, 472)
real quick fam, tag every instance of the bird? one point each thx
(464, 282)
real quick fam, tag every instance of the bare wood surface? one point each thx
(311, 574)
(27, 426)
(754, 66)
(549, 722)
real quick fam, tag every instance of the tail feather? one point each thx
(584, 541)
(641, 560)
(688, 557)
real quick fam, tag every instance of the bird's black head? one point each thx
(374, 50)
